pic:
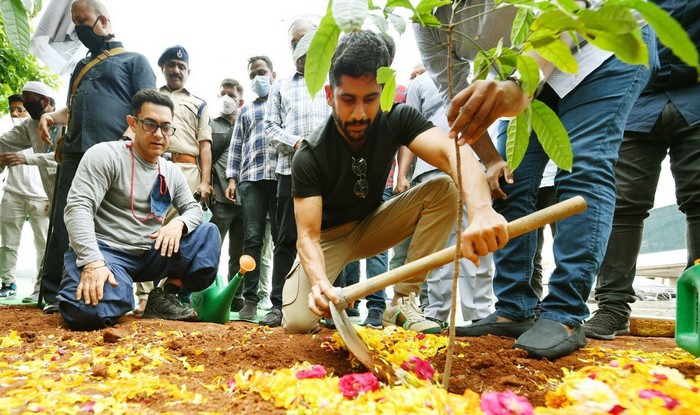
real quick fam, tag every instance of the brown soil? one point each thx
(489, 363)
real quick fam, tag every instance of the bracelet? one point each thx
(94, 268)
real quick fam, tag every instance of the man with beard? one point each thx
(338, 178)
(29, 185)
(102, 85)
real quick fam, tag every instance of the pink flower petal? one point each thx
(352, 385)
(505, 403)
(315, 371)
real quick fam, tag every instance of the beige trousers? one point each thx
(427, 212)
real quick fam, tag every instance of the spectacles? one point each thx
(152, 127)
(359, 167)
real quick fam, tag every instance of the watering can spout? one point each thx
(214, 303)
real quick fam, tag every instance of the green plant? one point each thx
(17, 65)
(538, 27)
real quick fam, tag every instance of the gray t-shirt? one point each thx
(100, 201)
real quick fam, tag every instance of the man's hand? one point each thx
(493, 175)
(475, 108)
(45, 122)
(231, 190)
(12, 159)
(168, 238)
(206, 191)
(92, 282)
(319, 296)
(402, 184)
(487, 232)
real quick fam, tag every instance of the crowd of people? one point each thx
(116, 184)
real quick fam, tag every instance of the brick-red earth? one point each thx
(489, 363)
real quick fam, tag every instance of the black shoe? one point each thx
(329, 323)
(550, 339)
(605, 325)
(248, 312)
(51, 308)
(237, 305)
(272, 319)
(353, 312)
(488, 325)
(167, 306)
(374, 318)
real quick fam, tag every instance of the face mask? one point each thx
(228, 105)
(35, 109)
(160, 198)
(17, 121)
(87, 37)
(261, 85)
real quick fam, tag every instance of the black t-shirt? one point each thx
(323, 164)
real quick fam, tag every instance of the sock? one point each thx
(171, 288)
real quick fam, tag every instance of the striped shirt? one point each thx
(292, 115)
(251, 157)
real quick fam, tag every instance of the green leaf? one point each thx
(379, 22)
(609, 18)
(318, 58)
(518, 134)
(557, 52)
(427, 6)
(669, 32)
(628, 47)
(398, 22)
(554, 21)
(350, 15)
(406, 4)
(16, 24)
(387, 76)
(521, 26)
(529, 73)
(552, 134)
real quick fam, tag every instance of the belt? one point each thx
(183, 158)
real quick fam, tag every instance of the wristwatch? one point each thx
(516, 77)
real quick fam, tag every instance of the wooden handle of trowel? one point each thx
(516, 228)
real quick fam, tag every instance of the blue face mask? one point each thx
(261, 85)
(160, 198)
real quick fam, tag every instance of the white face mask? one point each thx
(228, 105)
(17, 121)
(261, 85)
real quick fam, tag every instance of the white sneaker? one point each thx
(407, 315)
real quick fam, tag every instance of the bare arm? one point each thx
(58, 117)
(487, 230)
(205, 187)
(403, 161)
(308, 212)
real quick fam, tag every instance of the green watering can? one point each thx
(213, 304)
(688, 310)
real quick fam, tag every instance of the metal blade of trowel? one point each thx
(359, 290)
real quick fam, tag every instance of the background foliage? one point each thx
(17, 65)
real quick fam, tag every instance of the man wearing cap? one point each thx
(98, 109)
(115, 219)
(190, 147)
(29, 187)
(227, 215)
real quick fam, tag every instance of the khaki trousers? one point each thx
(427, 212)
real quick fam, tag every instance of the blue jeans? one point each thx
(376, 265)
(257, 198)
(594, 114)
(196, 264)
(637, 174)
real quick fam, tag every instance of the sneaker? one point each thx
(329, 323)
(374, 318)
(265, 304)
(443, 324)
(33, 298)
(237, 304)
(8, 290)
(248, 312)
(605, 325)
(167, 306)
(407, 315)
(353, 312)
(272, 319)
(51, 308)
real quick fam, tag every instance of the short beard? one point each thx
(346, 133)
